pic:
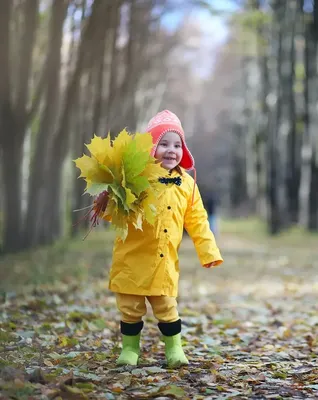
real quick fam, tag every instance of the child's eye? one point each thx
(178, 146)
(163, 144)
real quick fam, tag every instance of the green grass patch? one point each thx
(75, 260)
(255, 230)
(67, 261)
(246, 226)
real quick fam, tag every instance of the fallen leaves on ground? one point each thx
(249, 330)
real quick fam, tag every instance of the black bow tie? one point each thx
(177, 181)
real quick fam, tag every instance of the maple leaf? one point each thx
(101, 149)
(119, 146)
(91, 171)
(134, 161)
(95, 188)
(127, 176)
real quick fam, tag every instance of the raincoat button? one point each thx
(165, 231)
(169, 208)
(161, 255)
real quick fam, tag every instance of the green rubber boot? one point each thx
(174, 351)
(130, 351)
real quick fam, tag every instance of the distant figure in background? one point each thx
(210, 206)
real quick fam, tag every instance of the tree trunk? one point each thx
(275, 182)
(249, 128)
(98, 101)
(135, 64)
(238, 186)
(37, 184)
(308, 187)
(84, 127)
(125, 96)
(11, 169)
(61, 138)
(293, 149)
(90, 123)
(80, 200)
(14, 118)
(77, 200)
(112, 92)
(261, 136)
(313, 197)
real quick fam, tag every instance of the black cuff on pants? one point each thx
(170, 328)
(131, 329)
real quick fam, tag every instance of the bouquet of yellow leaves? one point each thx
(124, 176)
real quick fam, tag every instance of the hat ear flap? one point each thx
(187, 161)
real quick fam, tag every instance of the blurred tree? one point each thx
(309, 168)
(16, 50)
(72, 68)
(274, 129)
(48, 116)
(89, 51)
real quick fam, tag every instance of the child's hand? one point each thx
(212, 264)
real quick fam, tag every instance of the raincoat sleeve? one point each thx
(197, 225)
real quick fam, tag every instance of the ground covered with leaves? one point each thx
(249, 326)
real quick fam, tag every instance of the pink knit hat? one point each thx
(166, 121)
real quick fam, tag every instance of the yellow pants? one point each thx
(133, 307)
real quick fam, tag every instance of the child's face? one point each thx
(169, 150)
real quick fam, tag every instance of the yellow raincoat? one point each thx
(147, 262)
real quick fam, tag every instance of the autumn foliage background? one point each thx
(242, 77)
